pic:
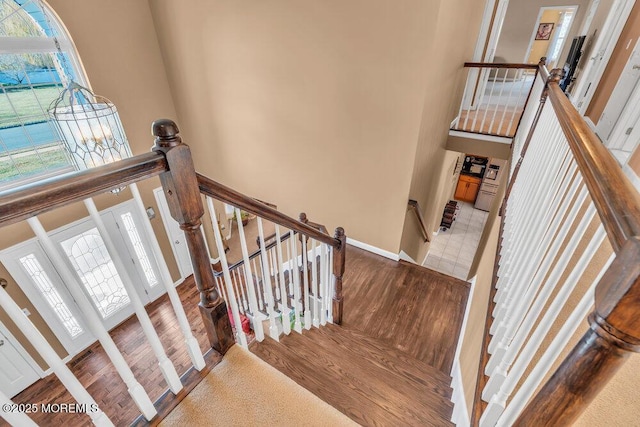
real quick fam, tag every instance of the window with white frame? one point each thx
(36, 61)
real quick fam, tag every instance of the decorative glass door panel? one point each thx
(33, 271)
(94, 266)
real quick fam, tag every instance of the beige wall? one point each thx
(520, 23)
(118, 48)
(539, 48)
(315, 107)
(483, 268)
(431, 182)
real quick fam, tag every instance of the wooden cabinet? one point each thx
(467, 189)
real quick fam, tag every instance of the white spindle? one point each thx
(324, 283)
(71, 383)
(305, 284)
(495, 108)
(332, 286)
(248, 275)
(506, 106)
(465, 100)
(509, 349)
(274, 274)
(257, 269)
(315, 285)
(166, 366)
(232, 301)
(284, 300)
(543, 269)
(545, 363)
(193, 348)
(237, 286)
(266, 285)
(295, 272)
(94, 323)
(538, 242)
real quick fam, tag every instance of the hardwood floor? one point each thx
(96, 373)
(389, 363)
(411, 308)
(404, 318)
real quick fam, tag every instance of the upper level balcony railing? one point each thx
(494, 98)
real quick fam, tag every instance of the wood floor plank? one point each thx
(411, 308)
(99, 377)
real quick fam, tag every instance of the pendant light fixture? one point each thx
(90, 126)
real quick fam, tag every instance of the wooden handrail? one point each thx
(227, 195)
(413, 204)
(33, 199)
(615, 198)
(498, 65)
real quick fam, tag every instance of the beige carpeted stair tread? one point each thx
(244, 390)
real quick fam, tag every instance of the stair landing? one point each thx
(388, 364)
(365, 379)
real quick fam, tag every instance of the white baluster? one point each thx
(332, 286)
(259, 292)
(465, 102)
(71, 383)
(295, 272)
(499, 365)
(495, 109)
(232, 301)
(237, 285)
(166, 367)
(503, 383)
(314, 284)
(284, 299)
(94, 323)
(193, 348)
(266, 285)
(324, 288)
(251, 290)
(520, 399)
(539, 241)
(305, 284)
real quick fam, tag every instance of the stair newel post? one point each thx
(338, 271)
(180, 186)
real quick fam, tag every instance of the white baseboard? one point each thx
(373, 249)
(405, 257)
(460, 416)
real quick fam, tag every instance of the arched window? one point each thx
(37, 59)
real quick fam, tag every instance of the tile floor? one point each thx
(452, 251)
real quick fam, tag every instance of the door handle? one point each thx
(177, 242)
(636, 67)
(1, 343)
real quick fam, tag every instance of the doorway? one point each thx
(17, 369)
(616, 126)
(84, 252)
(550, 34)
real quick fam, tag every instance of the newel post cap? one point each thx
(166, 133)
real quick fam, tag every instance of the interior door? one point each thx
(619, 99)
(16, 373)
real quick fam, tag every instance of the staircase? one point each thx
(366, 379)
